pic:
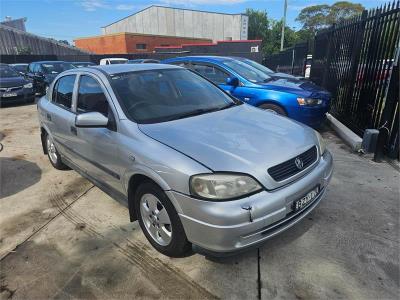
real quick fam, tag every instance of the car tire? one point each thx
(273, 108)
(154, 211)
(53, 154)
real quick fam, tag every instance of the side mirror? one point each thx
(91, 119)
(233, 81)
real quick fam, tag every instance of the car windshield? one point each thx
(20, 68)
(55, 68)
(258, 66)
(247, 71)
(154, 96)
(118, 61)
(7, 71)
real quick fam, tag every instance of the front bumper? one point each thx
(229, 227)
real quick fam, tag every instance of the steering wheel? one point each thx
(134, 105)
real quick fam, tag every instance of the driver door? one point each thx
(97, 147)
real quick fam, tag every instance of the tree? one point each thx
(343, 10)
(258, 26)
(321, 16)
(258, 23)
(273, 42)
(314, 17)
(64, 42)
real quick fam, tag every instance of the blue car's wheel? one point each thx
(273, 108)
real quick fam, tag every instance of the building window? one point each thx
(141, 46)
(228, 38)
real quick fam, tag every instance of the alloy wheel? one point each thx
(156, 219)
(51, 149)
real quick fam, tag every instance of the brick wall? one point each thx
(129, 43)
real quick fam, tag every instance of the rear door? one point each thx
(98, 146)
(59, 115)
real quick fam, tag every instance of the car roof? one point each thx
(19, 64)
(124, 68)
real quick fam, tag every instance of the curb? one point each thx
(352, 139)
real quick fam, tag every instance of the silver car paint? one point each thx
(241, 139)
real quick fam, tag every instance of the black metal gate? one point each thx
(357, 61)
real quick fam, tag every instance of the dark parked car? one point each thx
(143, 61)
(81, 64)
(43, 73)
(20, 68)
(14, 87)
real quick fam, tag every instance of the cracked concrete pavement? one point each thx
(63, 238)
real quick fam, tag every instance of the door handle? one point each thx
(73, 130)
(48, 116)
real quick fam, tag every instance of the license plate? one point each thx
(307, 199)
(5, 95)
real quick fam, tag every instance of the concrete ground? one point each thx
(62, 238)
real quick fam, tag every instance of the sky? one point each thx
(69, 19)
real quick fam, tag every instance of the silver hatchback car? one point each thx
(194, 165)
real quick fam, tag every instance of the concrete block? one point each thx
(350, 138)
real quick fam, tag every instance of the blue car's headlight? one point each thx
(309, 101)
(223, 186)
(28, 85)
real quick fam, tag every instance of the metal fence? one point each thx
(15, 41)
(291, 60)
(357, 61)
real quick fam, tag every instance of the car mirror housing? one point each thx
(233, 81)
(91, 119)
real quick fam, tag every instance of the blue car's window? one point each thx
(6, 72)
(247, 71)
(163, 95)
(258, 66)
(211, 73)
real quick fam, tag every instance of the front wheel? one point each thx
(159, 221)
(273, 108)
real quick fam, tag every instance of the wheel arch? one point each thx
(135, 180)
(43, 133)
(274, 102)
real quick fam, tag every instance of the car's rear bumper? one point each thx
(230, 226)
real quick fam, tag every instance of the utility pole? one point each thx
(283, 24)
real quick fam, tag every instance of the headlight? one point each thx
(222, 186)
(308, 101)
(321, 143)
(28, 85)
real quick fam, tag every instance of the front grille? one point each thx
(11, 89)
(288, 168)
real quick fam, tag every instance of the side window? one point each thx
(30, 68)
(211, 73)
(63, 89)
(91, 96)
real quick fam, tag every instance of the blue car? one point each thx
(298, 99)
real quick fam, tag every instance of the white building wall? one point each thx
(182, 23)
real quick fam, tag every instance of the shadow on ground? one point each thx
(17, 174)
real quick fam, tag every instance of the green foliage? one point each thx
(317, 17)
(313, 18)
